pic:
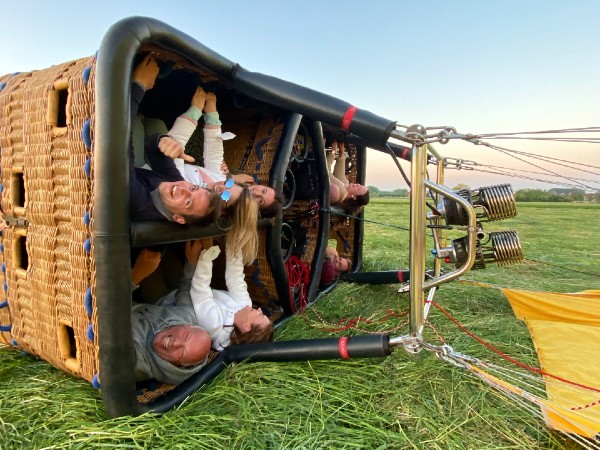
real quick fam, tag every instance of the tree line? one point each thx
(522, 195)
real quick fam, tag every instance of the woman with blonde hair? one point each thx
(238, 202)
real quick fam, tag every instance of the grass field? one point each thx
(402, 401)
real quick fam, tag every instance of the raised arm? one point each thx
(234, 278)
(213, 142)
(158, 161)
(339, 170)
(142, 78)
(208, 313)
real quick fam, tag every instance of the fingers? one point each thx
(206, 243)
(188, 158)
(173, 149)
(224, 168)
(243, 178)
(192, 251)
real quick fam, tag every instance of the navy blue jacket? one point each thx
(142, 181)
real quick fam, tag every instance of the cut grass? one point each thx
(402, 401)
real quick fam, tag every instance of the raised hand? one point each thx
(173, 149)
(224, 168)
(243, 178)
(146, 72)
(192, 251)
(194, 248)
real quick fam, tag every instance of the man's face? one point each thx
(182, 345)
(263, 195)
(183, 198)
(341, 264)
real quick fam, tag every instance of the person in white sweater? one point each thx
(228, 316)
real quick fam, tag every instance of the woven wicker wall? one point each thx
(49, 271)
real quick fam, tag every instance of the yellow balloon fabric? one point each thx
(565, 329)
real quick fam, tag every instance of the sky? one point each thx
(479, 66)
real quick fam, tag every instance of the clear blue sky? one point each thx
(480, 66)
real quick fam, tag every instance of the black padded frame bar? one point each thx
(112, 231)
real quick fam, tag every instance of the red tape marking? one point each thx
(343, 348)
(348, 117)
(400, 277)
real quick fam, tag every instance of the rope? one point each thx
(564, 268)
(507, 357)
(335, 213)
(298, 279)
(344, 324)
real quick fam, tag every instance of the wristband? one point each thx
(193, 113)
(211, 118)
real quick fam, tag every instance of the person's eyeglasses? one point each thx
(226, 195)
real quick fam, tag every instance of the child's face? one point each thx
(257, 317)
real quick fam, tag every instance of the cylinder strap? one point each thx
(348, 116)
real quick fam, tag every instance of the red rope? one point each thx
(298, 272)
(505, 356)
(347, 324)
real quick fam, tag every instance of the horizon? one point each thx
(480, 67)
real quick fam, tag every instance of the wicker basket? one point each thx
(48, 262)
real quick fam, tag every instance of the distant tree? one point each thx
(461, 187)
(374, 191)
(400, 193)
(539, 195)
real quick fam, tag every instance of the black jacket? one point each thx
(142, 181)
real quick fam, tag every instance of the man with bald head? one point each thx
(168, 343)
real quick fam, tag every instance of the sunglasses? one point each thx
(226, 195)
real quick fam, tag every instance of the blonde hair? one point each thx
(243, 234)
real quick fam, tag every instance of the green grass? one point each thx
(402, 401)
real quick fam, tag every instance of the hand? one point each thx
(199, 99)
(331, 253)
(224, 168)
(173, 149)
(342, 148)
(146, 72)
(192, 251)
(243, 178)
(145, 264)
